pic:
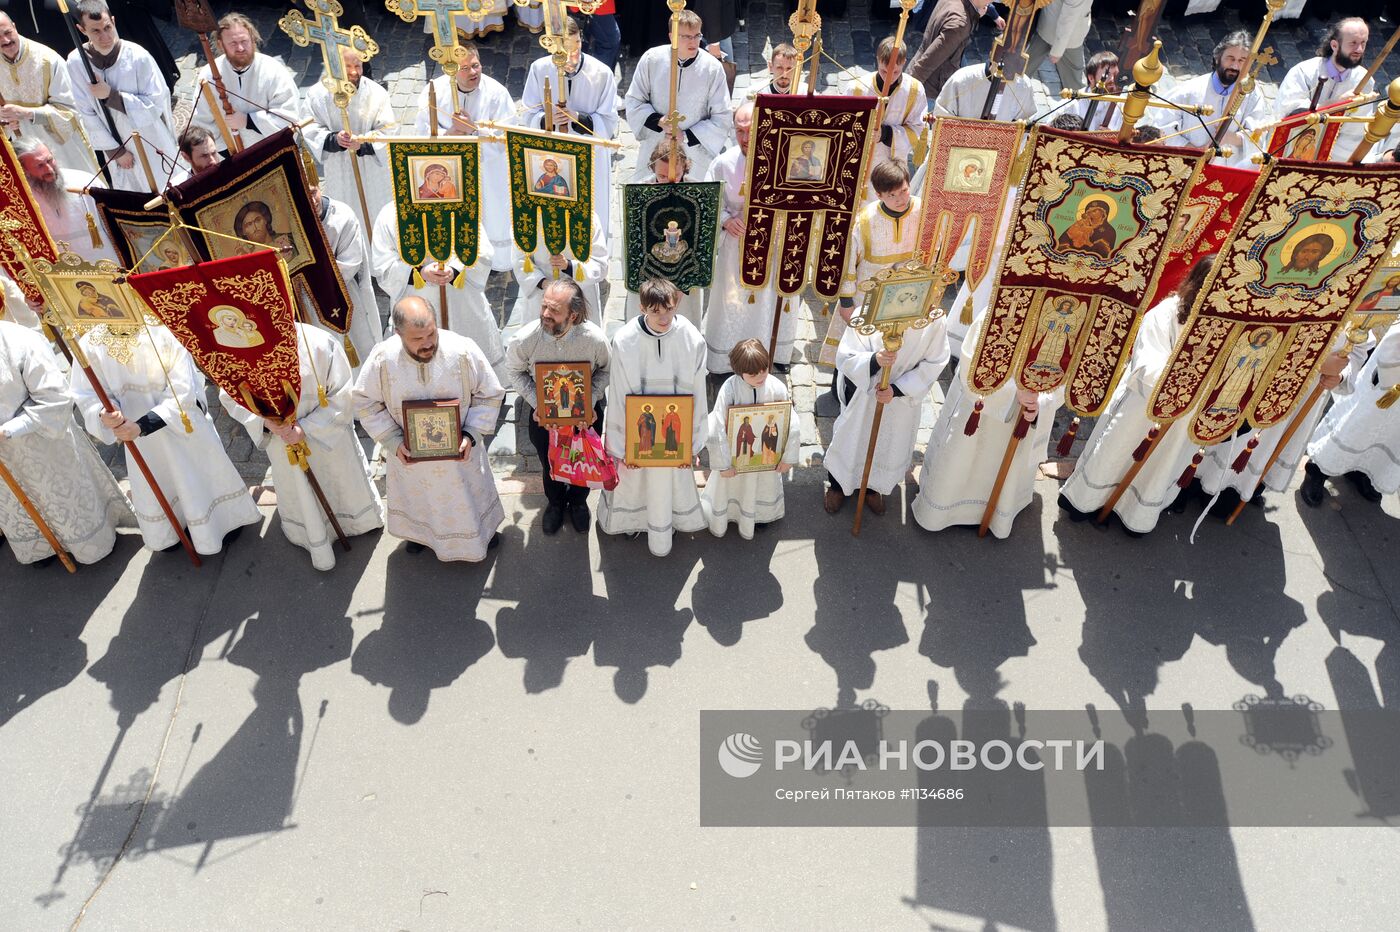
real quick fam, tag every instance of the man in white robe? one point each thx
(53, 464)
(256, 84)
(130, 88)
(337, 459)
(885, 233)
(702, 99)
(16, 307)
(464, 287)
(539, 267)
(965, 94)
(905, 108)
(861, 362)
(1358, 439)
(347, 241)
(39, 98)
(1338, 65)
(655, 353)
(590, 109)
(1101, 69)
(477, 98)
(1214, 89)
(450, 505)
(782, 67)
(199, 481)
(71, 218)
(1124, 425)
(371, 114)
(199, 150)
(955, 482)
(733, 312)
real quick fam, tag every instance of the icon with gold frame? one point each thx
(900, 297)
(432, 429)
(83, 295)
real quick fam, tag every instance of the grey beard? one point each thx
(54, 195)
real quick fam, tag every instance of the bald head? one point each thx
(416, 327)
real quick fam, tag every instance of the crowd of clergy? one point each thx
(712, 343)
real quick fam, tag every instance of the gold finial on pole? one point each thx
(1147, 72)
(1381, 124)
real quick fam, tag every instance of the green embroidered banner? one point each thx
(670, 233)
(438, 198)
(551, 183)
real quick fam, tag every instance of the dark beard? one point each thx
(1224, 76)
(423, 358)
(1344, 62)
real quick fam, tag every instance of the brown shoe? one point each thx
(833, 500)
(875, 502)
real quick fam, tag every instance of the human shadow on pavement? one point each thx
(1156, 877)
(1354, 540)
(642, 627)
(556, 611)
(735, 585)
(430, 634)
(43, 644)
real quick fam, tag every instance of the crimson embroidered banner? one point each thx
(1083, 252)
(253, 200)
(965, 187)
(806, 164)
(21, 224)
(1309, 240)
(1295, 138)
(1204, 222)
(235, 316)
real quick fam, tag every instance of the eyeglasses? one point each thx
(690, 36)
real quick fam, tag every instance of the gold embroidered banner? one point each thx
(806, 161)
(968, 175)
(1083, 253)
(1300, 257)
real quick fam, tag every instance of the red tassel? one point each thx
(1190, 472)
(1141, 450)
(1067, 441)
(973, 419)
(1240, 461)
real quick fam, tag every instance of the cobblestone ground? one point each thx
(850, 39)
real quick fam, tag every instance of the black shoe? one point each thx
(553, 519)
(414, 547)
(581, 516)
(494, 542)
(1364, 487)
(233, 535)
(1074, 514)
(782, 368)
(1314, 489)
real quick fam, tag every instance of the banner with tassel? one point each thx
(551, 192)
(1310, 238)
(22, 230)
(236, 318)
(437, 196)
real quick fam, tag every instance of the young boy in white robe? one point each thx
(905, 106)
(657, 353)
(753, 498)
(53, 464)
(1357, 438)
(199, 481)
(337, 459)
(692, 304)
(1124, 425)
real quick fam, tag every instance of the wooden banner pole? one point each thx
(38, 519)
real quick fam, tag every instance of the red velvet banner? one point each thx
(20, 221)
(1309, 239)
(806, 160)
(235, 316)
(1204, 222)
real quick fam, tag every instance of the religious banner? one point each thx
(806, 163)
(253, 200)
(965, 189)
(1296, 138)
(551, 189)
(670, 233)
(1082, 256)
(22, 227)
(437, 195)
(236, 317)
(1204, 222)
(1309, 240)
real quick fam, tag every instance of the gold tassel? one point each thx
(351, 355)
(1389, 398)
(578, 272)
(185, 418)
(459, 281)
(417, 278)
(751, 301)
(965, 318)
(92, 232)
(321, 395)
(529, 266)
